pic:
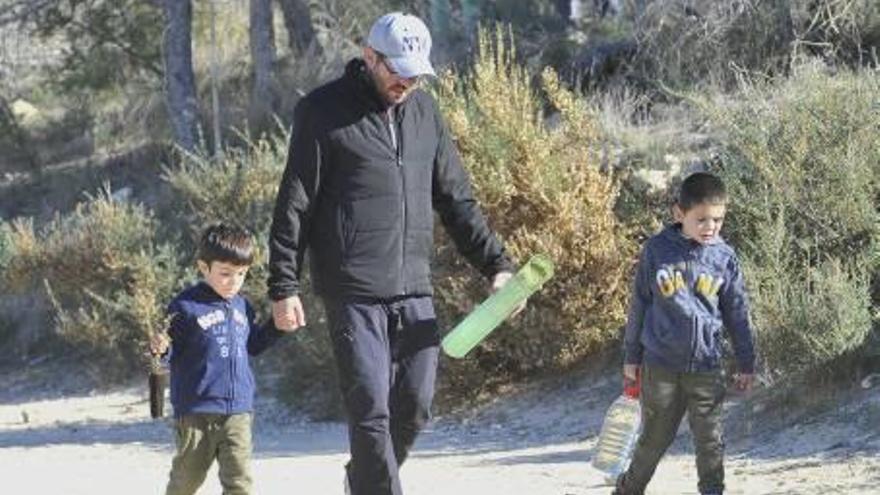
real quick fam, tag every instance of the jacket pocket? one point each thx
(366, 226)
(708, 335)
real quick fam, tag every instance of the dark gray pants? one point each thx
(386, 353)
(665, 397)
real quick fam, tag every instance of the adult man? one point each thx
(370, 158)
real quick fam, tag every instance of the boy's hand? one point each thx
(631, 371)
(498, 282)
(159, 342)
(288, 314)
(743, 381)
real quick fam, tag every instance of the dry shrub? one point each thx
(542, 189)
(105, 274)
(705, 41)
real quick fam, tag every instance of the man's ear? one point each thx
(370, 56)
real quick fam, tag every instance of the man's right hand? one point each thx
(288, 314)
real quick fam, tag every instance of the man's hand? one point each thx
(743, 381)
(498, 282)
(288, 314)
(159, 342)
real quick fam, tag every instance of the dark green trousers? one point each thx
(201, 438)
(665, 397)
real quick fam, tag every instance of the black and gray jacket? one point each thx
(359, 191)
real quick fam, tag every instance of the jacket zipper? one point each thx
(230, 336)
(396, 143)
(689, 266)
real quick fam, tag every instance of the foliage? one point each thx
(706, 41)
(801, 162)
(542, 188)
(105, 273)
(107, 42)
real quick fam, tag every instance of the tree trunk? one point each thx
(441, 29)
(470, 13)
(262, 39)
(180, 87)
(298, 21)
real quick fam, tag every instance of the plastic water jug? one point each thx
(619, 434)
(497, 307)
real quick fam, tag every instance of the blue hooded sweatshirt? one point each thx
(211, 339)
(684, 294)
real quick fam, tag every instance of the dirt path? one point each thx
(538, 442)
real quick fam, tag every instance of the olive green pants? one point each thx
(665, 397)
(201, 438)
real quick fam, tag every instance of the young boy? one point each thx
(212, 332)
(688, 287)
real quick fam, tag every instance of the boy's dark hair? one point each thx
(701, 187)
(228, 244)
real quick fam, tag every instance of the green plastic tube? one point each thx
(497, 307)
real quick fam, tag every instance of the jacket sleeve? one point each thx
(458, 210)
(640, 301)
(734, 305)
(293, 205)
(260, 338)
(176, 331)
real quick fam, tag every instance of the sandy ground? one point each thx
(538, 441)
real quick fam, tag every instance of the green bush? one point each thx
(105, 274)
(240, 188)
(802, 162)
(543, 191)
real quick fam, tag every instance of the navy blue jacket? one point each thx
(684, 294)
(211, 339)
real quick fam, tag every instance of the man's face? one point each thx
(392, 88)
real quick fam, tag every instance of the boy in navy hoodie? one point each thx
(212, 333)
(689, 286)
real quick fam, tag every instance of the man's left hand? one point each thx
(498, 282)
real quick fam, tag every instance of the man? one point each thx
(370, 158)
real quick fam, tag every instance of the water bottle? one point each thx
(620, 430)
(497, 307)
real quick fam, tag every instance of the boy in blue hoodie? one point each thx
(212, 332)
(688, 287)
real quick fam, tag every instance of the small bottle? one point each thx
(619, 434)
(497, 307)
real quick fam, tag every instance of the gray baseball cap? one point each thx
(405, 42)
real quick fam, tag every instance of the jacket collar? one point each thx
(363, 87)
(208, 295)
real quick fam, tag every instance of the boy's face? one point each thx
(225, 278)
(701, 223)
